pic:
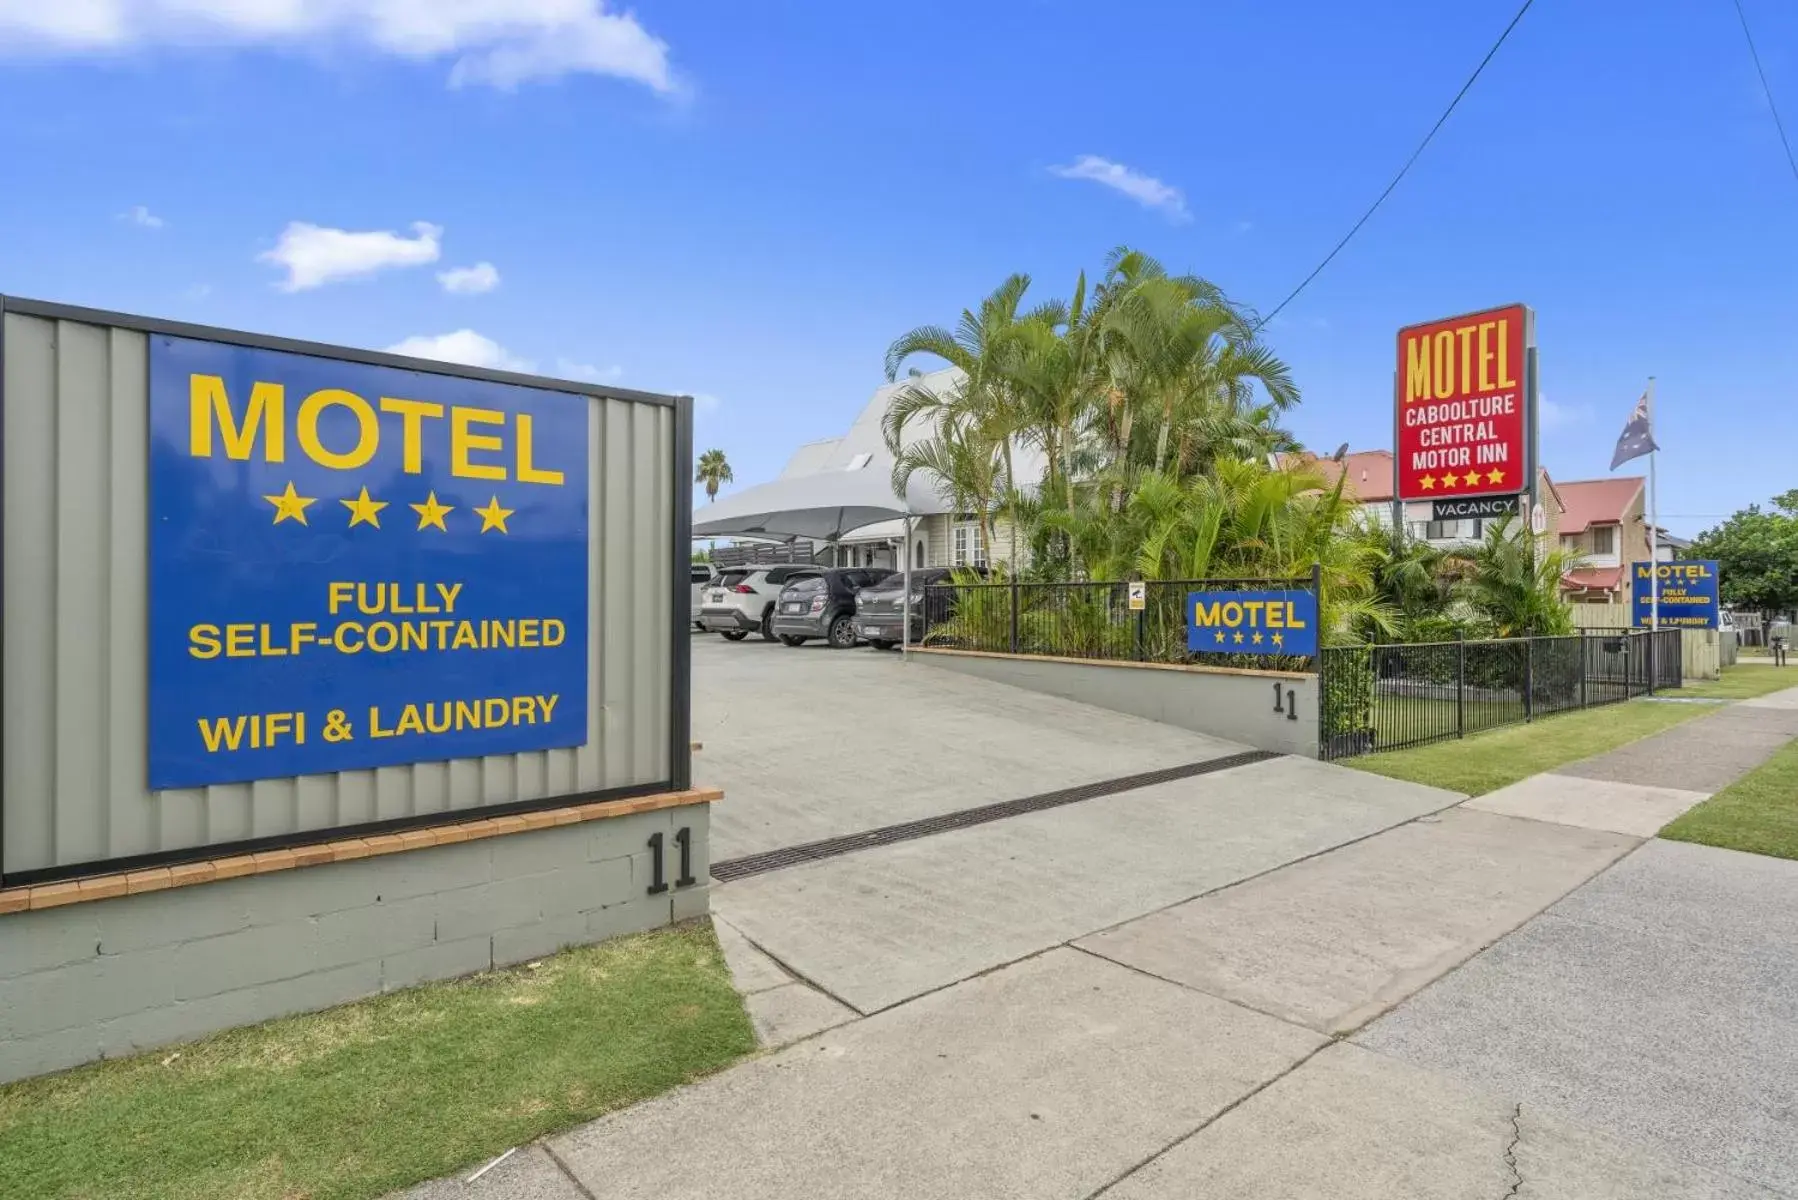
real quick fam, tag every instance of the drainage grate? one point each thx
(792, 856)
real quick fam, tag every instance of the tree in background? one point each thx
(1757, 556)
(1132, 394)
(714, 472)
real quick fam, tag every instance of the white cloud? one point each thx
(313, 255)
(567, 368)
(501, 43)
(1560, 416)
(469, 281)
(1146, 190)
(137, 214)
(466, 347)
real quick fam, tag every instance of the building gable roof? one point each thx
(1597, 501)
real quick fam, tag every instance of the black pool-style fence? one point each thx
(1387, 697)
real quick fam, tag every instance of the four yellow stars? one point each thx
(288, 504)
(1472, 478)
(364, 511)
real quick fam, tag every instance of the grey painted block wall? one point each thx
(112, 977)
(1239, 707)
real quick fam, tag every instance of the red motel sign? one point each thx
(1463, 401)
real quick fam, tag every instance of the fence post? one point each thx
(1141, 652)
(1014, 610)
(1460, 683)
(1585, 659)
(1652, 656)
(1529, 678)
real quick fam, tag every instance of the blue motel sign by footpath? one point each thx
(1267, 623)
(357, 566)
(1687, 592)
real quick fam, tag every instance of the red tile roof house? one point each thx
(1606, 527)
(1369, 481)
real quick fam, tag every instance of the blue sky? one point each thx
(749, 202)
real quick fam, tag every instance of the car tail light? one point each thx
(743, 589)
(817, 604)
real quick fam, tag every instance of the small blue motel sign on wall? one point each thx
(1268, 623)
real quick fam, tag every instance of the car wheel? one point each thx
(768, 624)
(787, 639)
(733, 635)
(842, 633)
(883, 645)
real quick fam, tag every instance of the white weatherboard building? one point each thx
(839, 491)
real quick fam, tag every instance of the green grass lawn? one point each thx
(1486, 762)
(1757, 813)
(1741, 683)
(374, 1096)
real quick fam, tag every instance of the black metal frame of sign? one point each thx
(680, 755)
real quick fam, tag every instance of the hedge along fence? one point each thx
(1087, 620)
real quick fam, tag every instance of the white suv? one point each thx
(741, 600)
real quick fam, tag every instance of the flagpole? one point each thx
(1654, 530)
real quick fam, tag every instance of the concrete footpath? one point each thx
(1280, 980)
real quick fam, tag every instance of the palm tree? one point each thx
(1514, 583)
(714, 472)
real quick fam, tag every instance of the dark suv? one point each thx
(823, 606)
(880, 610)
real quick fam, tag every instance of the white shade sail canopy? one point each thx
(822, 506)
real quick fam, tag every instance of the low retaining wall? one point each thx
(1224, 702)
(109, 966)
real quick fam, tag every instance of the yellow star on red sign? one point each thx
(493, 516)
(1495, 476)
(289, 504)
(1427, 483)
(364, 511)
(431, 513)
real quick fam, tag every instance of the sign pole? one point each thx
(1398, 505)
(1654, 530)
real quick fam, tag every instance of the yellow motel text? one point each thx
(1471, 360)
(1248, 614)
(484, 443)
(258, 731)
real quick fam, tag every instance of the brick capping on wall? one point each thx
(104, 887)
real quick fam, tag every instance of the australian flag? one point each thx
(1638, 436)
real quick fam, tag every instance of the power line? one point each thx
(1415, 154)
(1767, 88)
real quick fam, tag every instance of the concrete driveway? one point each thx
(812, 743)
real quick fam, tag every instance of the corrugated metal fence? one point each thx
(76, 613)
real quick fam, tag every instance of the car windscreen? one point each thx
(806, 586)
(731, 579)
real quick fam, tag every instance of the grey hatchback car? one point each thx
(823, 606)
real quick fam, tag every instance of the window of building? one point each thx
(917, 558)
(1570, 543)
(1604, 539)
(1437, 531)
(967, 548)
(859, 461)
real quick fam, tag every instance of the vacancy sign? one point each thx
(1463, 416)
